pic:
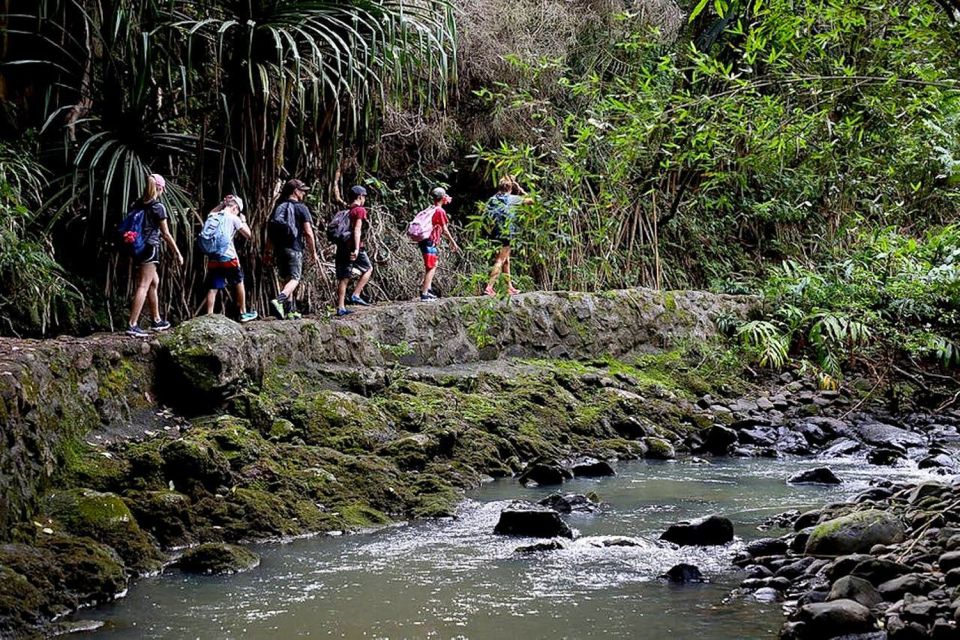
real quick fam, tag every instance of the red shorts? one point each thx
(430, 256)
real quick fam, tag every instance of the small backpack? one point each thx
(130, 240)
(282, 226)
(422, 225)
(338, 229)
(214, 237)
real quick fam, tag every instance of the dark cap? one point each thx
(358, 191)
(295, 185)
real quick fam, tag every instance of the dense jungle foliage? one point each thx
(808, 151)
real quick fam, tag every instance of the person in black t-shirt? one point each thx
(155, 228)
(288, 251)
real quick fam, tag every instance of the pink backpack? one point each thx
(422, 225)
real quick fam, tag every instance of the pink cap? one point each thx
(161, 183)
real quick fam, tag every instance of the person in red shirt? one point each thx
(352, 259)
(428, 247)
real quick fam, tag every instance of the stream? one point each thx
(455, 579)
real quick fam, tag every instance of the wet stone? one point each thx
(707, 531)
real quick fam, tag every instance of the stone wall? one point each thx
(215, 355)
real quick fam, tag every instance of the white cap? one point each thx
(239, 203)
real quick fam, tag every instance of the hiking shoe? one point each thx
(248, 316)
(513, 291)
(137, 332)
(159, 325)
(489, 291)
(294, 315)
(276, 307)
(343, 312)
(355, 299)
(425, 297)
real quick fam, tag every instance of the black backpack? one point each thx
(338, 229)
(282, 225)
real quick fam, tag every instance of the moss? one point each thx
(105, 518)
(192, 463)
(361, 516)
(84, 466)
(659, 449)
(167, 515)
(215, 558)
(116, 381)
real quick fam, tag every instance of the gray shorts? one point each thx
(290, 264)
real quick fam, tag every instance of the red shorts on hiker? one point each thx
(429, 251)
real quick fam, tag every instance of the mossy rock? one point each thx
(659, 449)
(91, 572)
(855, 533)
(192, 461)
(411, 452)
(21, 605)
(341, 420)
(167, 515)
(217, 558)
(207, 359)
(435, 498)
(87, 467)
(104, 517)
(362, 516)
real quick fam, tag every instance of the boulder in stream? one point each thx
(526, 519)
(819, 475)
(684, 573)
(544, 473)
(593, 469)
(708, 531)
(217, 558)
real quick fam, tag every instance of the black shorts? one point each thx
(150, 255)
(219, 277)
(347, 268)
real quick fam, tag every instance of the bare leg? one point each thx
(342, 292)
(503, 258)
(146, 273)
(152, 300)
(364, 279)
(211, 300)
(506, 268)
(289, 288)
(241, 298)
(428, 280)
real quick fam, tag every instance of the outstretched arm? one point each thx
(168, 238)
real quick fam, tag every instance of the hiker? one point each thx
(289, 233)
(142, 228)
(500, 214)
(427, 228)
(223, 263)
(347, 230)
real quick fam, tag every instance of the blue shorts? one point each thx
(219, 277)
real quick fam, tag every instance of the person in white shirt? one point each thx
(224, 269)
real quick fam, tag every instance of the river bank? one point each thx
(221, 434)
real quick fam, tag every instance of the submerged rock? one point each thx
(707, 531)
(820, 475)
(569, 503)
(854, 533)
(216, 558)
(526, 519)
(684, 573)
(553, 545)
